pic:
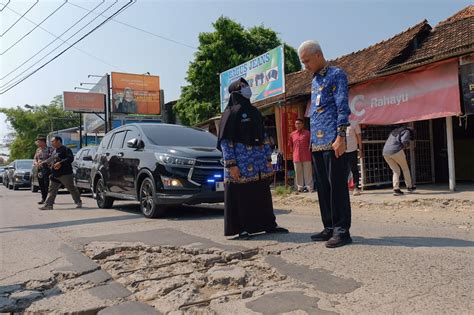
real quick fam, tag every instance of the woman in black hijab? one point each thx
(248, 169)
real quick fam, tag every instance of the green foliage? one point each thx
(29, 123)
(229, 45)
(282, 191)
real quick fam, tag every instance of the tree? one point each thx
(29, 123)
(226, 47)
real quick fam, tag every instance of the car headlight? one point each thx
(169, 182)
(166, 159)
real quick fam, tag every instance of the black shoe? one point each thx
(412, 189)
(322, 236)
(305, 190)
(41, 202)
(277, 229)
(397, 192)
(339, 240)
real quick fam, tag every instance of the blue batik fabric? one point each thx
(254, 161)
(329, 112)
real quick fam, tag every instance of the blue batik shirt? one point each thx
(254, 161)
(329, 112)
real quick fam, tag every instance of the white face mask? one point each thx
(246, 92)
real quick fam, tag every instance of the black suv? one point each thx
(159, 165)
(82, 167)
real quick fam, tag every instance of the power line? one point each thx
(123, 8)
(5, 5)
(37, 25)
(34, 4)
(142, 30)
(53, 41)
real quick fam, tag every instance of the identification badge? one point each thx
(318, 99)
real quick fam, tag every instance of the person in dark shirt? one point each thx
(61, 173)
(394, 154)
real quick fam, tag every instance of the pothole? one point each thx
(186, 279)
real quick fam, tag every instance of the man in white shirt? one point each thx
(354, 144)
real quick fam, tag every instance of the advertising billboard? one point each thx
(265, 75)
(135, 94)
(83, 102)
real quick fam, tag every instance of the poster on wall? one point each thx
(265, 75)
(135, 94)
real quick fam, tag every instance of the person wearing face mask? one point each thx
(248, 169)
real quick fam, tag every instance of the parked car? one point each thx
(159, 165)
(19, 174)
(2, 171)
(82, 167)
(5, 174)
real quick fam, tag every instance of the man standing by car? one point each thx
(43, 153)
(61, 173)
(329, 118)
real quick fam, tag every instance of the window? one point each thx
(179, 136)
(105, 141)
(83, 154)
(131, 134)
(117, 141)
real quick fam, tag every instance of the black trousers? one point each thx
(333, 192)
(44, 185)
(352, 161)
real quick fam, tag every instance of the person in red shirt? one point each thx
(300, 142)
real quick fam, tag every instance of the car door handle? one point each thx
(120, 154)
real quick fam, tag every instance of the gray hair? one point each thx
(311, 46)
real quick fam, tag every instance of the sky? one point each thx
(341, 27)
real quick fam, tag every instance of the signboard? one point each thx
(425, 93)
(265, 75)
(95, 122)
(135, 94)
(83, 102)
(467, 87)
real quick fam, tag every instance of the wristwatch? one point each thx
(341, 131)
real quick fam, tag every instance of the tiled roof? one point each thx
(360, 65)
(450, 38)
(464, 13)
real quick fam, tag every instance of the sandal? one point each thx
(242, 236)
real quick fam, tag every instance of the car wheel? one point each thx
(148, 206)
(15, 187)
(103, 201)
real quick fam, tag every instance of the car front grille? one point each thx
(209, 163)
(202, 176)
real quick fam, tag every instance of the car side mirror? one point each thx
(132, 143)
(141, 144)
(87, 158)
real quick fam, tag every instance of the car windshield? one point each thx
(24, 164)
(179, 136)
